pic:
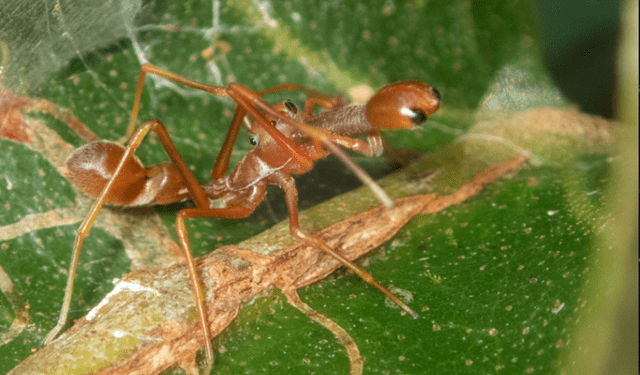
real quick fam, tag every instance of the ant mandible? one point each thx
(285, 142)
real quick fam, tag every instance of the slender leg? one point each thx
(223, 159)
(291, 195)
(222, 162)
(295, 87)
(198, 196)
(156, 70)
(252, 102)
(291, 148)
(322, 102)
(192, 213)
(248, 100)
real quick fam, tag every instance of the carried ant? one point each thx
(285, 142)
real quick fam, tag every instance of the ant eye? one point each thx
(416, 114)
(253, 139)
(274, 123)
(290, 106)
(436, 93)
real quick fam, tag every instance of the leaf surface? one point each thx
(498, 281)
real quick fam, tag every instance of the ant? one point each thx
(285, 142)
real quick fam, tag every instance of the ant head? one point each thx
(402, 105)
(260, 138)
(264, 146)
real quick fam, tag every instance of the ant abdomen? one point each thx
(93, 165)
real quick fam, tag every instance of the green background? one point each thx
(502, 282)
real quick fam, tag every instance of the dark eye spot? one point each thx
(290, 106)
(418, 116)
(274, 123)
(253, 139)
(436, 93)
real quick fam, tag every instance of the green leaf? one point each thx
(499, 281)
